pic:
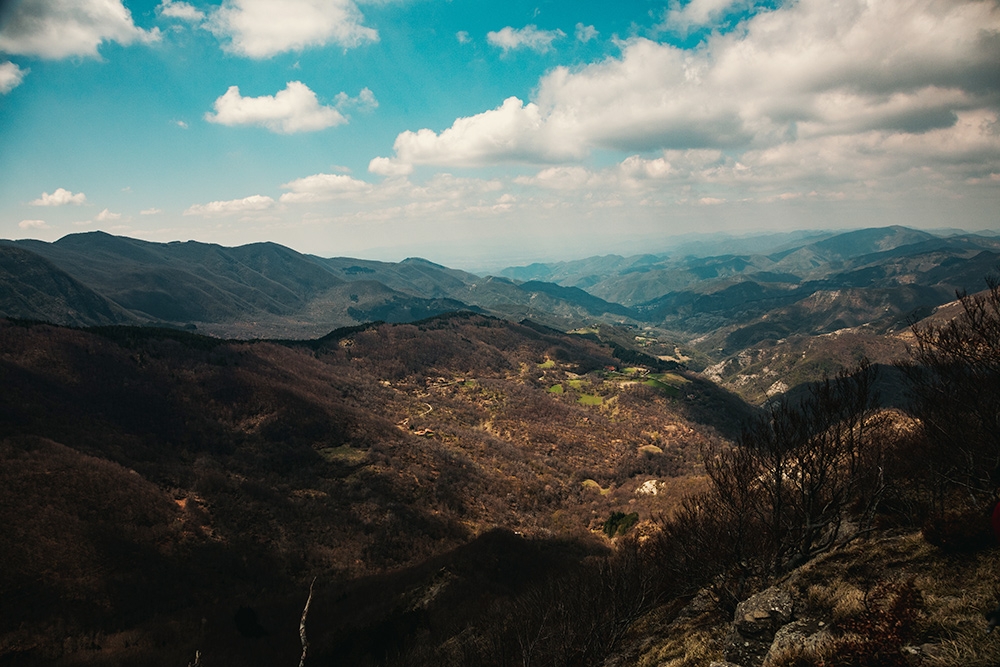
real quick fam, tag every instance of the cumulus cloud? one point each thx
(63, 28)
(513, 132)
(322, 187)
(10, 77)
(528, 37)
(180, 10)
(32, 224)
(463, 37)
(151, 211)
(231, 207)
(384, 166)
(585, 33)
(294, 109)
(107, 216)
(263, 28)
(843, 79)
(60, 197)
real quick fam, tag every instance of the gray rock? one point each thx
(748, 651)
(755, 623)
(762, 614)
(805, 634)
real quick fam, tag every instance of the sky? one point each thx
(480, 133)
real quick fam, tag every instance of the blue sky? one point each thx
(477, 133)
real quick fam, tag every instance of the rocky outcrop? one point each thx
(765, 630)
(755, 624)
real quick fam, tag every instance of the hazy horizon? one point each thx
(478, 135)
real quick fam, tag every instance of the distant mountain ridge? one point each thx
(268, 290)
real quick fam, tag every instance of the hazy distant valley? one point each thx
(188, 429)
(832, 296)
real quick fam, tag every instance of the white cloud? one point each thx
(180, 10)
(151, 211)
(585, 33)
(529, 37)
(63, 28)
(384, 166)
(513, 132)
(181, 124)
(322, 187)
(699, 13)
(463, 37)
(365, 101)
(231, 207)
(60, 197)
(294, 109)
(899, 78)
(263, 28)
(32, 224)
(10, 77)
(107, 216)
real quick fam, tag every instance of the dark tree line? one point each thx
(954, 376)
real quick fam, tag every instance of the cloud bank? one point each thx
(835, 90)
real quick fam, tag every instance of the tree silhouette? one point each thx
(955, 389)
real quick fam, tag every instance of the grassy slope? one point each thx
(950, 629)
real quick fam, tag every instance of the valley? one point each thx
(861, 289)
(457, 461)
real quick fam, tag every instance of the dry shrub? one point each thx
(838, 600)
(794, 656)
(875, 637)
(961, 531)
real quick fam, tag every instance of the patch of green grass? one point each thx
(556, 389)
(548, 363)
(665, 388)
(590, 399)
(344, 455)
(619, 523)
(576, 384)
(674, 379)
(594, 486)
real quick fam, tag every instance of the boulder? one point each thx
(762, 614)
(805, 634)
(755, 623)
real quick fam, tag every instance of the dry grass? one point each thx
(956, 591)
(690, 644)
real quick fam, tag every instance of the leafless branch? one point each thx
(302, 625)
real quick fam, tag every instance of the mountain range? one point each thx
(464, 467)
(700, 302)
